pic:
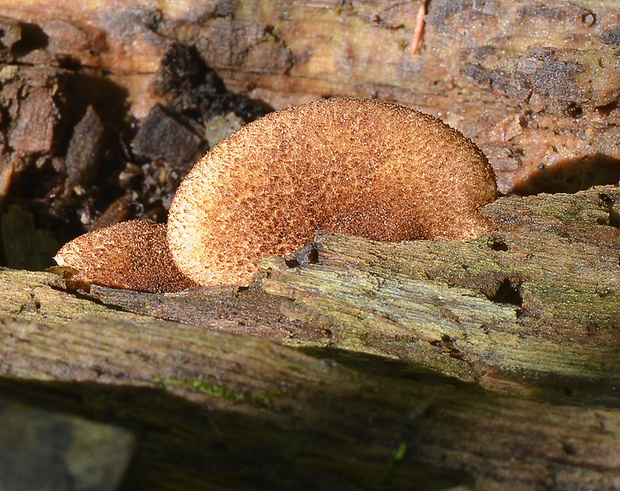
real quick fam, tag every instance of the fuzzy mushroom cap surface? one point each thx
(356, 166)
(133, 255)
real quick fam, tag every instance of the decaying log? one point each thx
(536, 303)
(425, 365)
(380, 365)
(536, 85)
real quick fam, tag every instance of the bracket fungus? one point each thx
(355, 166)
(133, 255)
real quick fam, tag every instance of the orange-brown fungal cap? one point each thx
(132, 255)
(356, 166)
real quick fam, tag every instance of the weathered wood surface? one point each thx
(485, 364)
(488, 364)
(536, 85)
(537, 302)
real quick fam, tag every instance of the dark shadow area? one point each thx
(194, 90)
(387, 367)
(40, 189)
(572, 175)
(543, 387)
(497, 244)
(182, 445)
(39, 450)
(304, 256)
(508, 292)
(610, 206)
(32, 38)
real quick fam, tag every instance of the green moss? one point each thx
(207, 389)
(219, 391)
(398, 456)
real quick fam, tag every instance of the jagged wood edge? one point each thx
(159, 377)
(536, 302)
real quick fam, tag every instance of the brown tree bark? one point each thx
(535, 85)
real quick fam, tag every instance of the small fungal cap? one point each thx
(132, 255)
(355, 166)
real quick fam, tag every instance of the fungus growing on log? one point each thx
(132, 255)
(355, 166)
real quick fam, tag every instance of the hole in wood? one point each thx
(508, 292)
(606, 109)
(32, 38)
(572, 175)
(497, 244)
(609, 205)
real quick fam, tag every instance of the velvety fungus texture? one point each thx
(133, 255)
(356, 166)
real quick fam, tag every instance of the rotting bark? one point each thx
(542, 106)
(534, 305)
(381, 365)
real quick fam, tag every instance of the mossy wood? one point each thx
(428, 364)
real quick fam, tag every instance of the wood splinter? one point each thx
(418, 32)
(355, 166)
